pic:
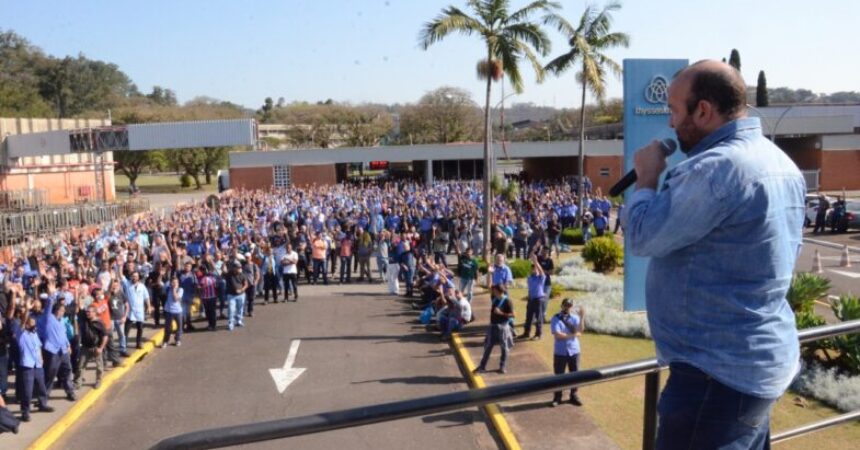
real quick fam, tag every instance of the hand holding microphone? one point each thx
(648, 163)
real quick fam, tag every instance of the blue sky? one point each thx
(363, 50)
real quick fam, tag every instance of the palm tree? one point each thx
(588, 42)
(509, 38)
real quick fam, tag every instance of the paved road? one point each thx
(358, 345)
(843, 280)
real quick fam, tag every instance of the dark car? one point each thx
(850, 217)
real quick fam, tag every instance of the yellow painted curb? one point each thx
(492, 410)
(53, 434)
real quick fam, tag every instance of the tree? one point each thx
(190, 160)
(214, 159)
(162, 96)
(19, 81)
(761, 90)
(735, 59)
(265, 112)
(446, 114)
(588, 43)
(509, 38)
(133, 163)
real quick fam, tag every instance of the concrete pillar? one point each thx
(428, 173)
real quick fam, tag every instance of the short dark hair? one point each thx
(725, 89)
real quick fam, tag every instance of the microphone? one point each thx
(667, 145)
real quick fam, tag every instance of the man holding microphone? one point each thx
(723, 233)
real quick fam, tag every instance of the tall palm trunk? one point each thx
(488, 195)
(581, 161)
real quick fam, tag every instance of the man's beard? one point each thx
(689, 135)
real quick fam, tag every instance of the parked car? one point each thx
(851, 217)
(812, 208)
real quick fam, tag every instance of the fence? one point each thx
(23, 199)
(335, 420)
(19, 227)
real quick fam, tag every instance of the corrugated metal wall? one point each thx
(210, 133)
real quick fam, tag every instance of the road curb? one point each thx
(491, 409)
(831, 245)
(53, 434)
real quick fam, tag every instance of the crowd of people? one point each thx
(78, 299)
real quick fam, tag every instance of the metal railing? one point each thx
(23, 199)
(19, 227)
(347, 418)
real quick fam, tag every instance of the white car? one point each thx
(812, 208)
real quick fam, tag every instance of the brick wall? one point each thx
(322, 174)
(840, 169)
(252, 177)
(64, 187)
(554, 168)
(604, 171)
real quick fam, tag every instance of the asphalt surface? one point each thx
(843, 280)
(359, 346)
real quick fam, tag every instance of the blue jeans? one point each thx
(169, 318)
(120, 331)
(696, 411)
(235, 309)
(466, 287)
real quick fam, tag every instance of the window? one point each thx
(604, 171)
(282, 176)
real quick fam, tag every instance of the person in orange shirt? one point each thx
(103, 312)
(319, 250)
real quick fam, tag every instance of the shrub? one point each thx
(482, 265)
(520, 268)
(829, 386)
(556, 290)
(185, 180)
(604, 253)
(848, 308)
(571, 236)
(805, 289)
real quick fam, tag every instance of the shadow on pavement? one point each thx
(455, 419)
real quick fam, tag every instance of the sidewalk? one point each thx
(40, 423)
(535, 424)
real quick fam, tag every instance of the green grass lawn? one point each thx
(161, 184)
(617, 407)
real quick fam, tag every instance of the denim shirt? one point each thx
(723, 235)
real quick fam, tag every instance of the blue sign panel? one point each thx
(646, 117)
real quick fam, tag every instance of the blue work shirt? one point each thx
(188, 281)
(536, 285)
(53, 334)
(30, 348)
(502, 275)
(564, 347)
(723, 235)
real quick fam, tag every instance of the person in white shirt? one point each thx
(289, 273)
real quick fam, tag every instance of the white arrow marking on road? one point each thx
(846, 274)
(284, 376)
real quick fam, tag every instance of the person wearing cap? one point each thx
(566, 329)
(237, 284)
